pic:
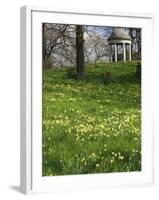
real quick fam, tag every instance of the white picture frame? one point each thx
(31, 100)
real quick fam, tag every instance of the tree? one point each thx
(80, 51)
(96, 46)
(44, 41)
(135, 34)
(57, 39)
(138, 40)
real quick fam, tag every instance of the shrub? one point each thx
(71, 73)
(106, 77)
(138, 70)
(48, 64)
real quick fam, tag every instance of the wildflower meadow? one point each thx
(92, 125)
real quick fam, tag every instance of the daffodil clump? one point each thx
(90, 127)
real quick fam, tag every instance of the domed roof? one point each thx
(119, 34)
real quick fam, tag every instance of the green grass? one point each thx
(89, 126)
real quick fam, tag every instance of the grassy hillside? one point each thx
(94, 125)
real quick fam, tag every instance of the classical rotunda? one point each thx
(119, 37)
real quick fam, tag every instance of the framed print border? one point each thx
(32, 181)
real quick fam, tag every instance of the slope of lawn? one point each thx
(92, 126)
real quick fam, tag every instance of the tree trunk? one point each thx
(80, 51)
(139, 43)
(43, 42)
(132, 41)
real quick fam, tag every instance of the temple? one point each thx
(119, 37)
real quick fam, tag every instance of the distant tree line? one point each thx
(70, 45)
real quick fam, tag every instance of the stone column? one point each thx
(116, 56)
(129, 52)
(124, 52)
(110, 53)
